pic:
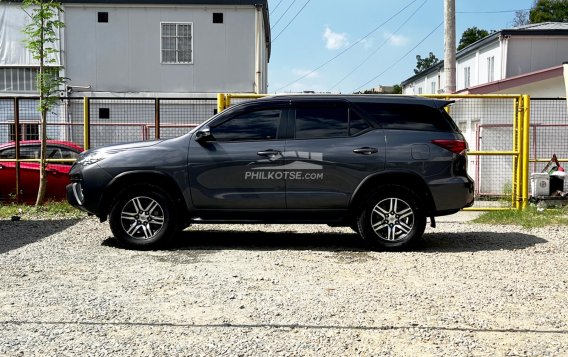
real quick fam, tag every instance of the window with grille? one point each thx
(176, 43)
(28, 131)
(18, 79)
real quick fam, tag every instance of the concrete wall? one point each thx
(123, 55)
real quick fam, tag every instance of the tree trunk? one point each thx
(42, 166)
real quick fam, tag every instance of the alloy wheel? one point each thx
(142, 217)
(392, 219)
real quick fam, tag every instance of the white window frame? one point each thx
(20, 79)
(433, 87)
(490, 69)
(161, 44)
(467, 76)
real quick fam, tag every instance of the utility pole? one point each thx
(450, 45)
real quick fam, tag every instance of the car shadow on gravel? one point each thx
(477, 241)
(16, 234)
(339, 241)
(260, 240)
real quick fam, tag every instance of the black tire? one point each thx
(143, 217)
(392, 218)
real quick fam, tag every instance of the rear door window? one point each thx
(321, 121)
(327, 120)
(408, 117)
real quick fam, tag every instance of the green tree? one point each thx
(42, 36)
(425, 63)
(549, 10)
(471, 35)
(397, 89)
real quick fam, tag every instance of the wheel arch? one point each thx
(131, 178)
(406, 179)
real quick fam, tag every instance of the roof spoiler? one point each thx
(441, 103)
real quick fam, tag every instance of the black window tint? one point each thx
(30, 152)
(321, 122)
(8, 154)
(69, 154)
(26, 152)
(257, 125)
(53, 152)
(407, 117)
(356, 123)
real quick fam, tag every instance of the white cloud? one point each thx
(304, 72)
(334, 40)
(396, 40)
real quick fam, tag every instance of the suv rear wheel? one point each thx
(143, 217)
(392, 217)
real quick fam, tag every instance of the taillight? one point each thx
(455, 146)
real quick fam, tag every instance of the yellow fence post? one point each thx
(86, 124)
(518, 141)
(220, 102)
(525, 149)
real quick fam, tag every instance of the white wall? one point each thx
(529, 54)
(471, 62)
(123, 55)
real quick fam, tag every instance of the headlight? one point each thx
(92, 158)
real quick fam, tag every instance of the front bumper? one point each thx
(75, 196)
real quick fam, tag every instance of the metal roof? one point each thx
(540, 29)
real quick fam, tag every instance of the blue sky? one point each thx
(324, 29)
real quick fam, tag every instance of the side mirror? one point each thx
(203, 134)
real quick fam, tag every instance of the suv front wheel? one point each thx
(392, 217)
(143, 217)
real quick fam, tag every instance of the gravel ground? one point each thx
(67, 289)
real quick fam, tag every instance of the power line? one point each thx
(380, 46)
(276, 7)
(348, 48)
(285, 27)
(281, 16)
(400, 59)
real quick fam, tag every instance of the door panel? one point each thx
(241, 166)
(225, 175)
(333, 149)
(335, 170)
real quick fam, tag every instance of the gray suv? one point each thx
(378, 164)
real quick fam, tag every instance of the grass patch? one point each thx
(50, 210)
(528, 218)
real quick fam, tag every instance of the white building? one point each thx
(146, 48)
(503, 55)
(122, 54)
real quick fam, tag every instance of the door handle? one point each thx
(366, 151)
(269, 153)
(1, 166)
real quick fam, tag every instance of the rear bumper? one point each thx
(452, 194)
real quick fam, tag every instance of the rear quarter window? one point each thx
(408, 117)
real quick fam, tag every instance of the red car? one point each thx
(57, 177)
